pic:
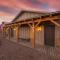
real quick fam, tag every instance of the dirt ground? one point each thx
(15, 51)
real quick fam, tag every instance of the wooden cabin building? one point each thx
(34, 29)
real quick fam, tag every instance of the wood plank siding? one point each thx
(24, 33)
(39, 36)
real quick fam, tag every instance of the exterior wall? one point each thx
(14, 36)
(39, 36)
(24, 32)
(7, 34)
(57, 36)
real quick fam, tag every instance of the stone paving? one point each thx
(15, 51)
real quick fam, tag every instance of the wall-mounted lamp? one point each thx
(39, 28)
(14, 28)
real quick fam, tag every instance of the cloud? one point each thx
(8, 9)
(46, 5)
(52, 4)
(12, 7)
(5, 14)
(6, 18)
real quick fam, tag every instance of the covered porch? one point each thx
(35, 32)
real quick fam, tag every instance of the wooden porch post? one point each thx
(9, 32)
(33, 27)
(17, 33)
(3, 32)
(32, 34)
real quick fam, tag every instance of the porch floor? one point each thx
(14, 51)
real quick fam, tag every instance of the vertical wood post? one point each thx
(9, 32)
(17, 33)
(3, 32)
(33, 35)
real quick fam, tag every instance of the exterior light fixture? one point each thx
(14, 28)
(39, 28)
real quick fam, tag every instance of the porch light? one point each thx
(6, 29)
(15, 28)
(39, 28)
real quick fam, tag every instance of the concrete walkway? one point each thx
(15, 51)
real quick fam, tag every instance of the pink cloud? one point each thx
(29, 5)
(22, 4)
(54, 4)
(8, 3)
(36, 5)
(5, 14)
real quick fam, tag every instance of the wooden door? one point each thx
(49, 35)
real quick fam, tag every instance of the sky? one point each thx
(10, 8)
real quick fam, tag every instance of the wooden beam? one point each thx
(37, 23)
(31, 21)
(57, 24)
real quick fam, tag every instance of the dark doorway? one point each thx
(49, 34)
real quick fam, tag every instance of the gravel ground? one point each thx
(15, 51)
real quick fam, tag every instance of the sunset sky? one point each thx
(10, 8)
